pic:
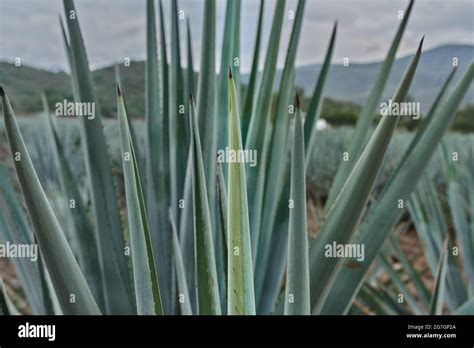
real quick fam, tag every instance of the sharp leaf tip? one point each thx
(297, 101)
(421, 43)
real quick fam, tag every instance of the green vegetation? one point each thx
(26, 83)
(179, 230)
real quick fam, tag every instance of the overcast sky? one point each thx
(114, 29)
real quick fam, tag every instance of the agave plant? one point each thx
(198, 235)
(452, 289)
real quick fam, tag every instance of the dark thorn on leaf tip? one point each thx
(119, 92)
(420, 45)
(230, 73)
(2, 92)
(191, 97)
(297, 100)
(422, 39)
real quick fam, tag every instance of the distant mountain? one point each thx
(351, 84)
(25, 84)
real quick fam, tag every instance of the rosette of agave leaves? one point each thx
(197, 236)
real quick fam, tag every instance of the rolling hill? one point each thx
(352, 83)
(348, 84)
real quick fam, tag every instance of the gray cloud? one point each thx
(114, 29)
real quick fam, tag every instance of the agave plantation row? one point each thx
(202, 236)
